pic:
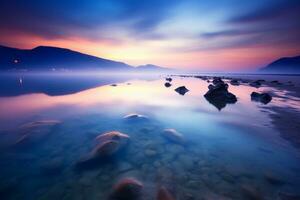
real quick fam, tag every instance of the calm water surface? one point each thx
(232, 153)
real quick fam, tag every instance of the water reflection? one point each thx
(225, 154)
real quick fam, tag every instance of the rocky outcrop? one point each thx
(264, 98)
(219, 96)
(181, 90)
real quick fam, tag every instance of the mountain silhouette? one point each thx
(284, 65)
(45, 58)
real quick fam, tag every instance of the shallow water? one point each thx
(232, 153)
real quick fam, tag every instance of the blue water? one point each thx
(232, 153)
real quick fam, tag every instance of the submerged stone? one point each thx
(173, 136)
(108, 144)
(219, 96)
(113, 135)
(264, 98)
(35, 132)
(167, 84)
(127, 189)
(164, 194)
(181, 90)
(135, 116)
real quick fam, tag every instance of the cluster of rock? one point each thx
(264, 98)
(218, 94)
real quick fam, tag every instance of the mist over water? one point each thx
(226, 153)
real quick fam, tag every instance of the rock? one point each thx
(264, 98)
(114, 85)
(127, 189)
(234, 82)
(217, 80)
(164, 194)
(256, 84)
(169, 79)
(181, 90)
(219, 96)
(35, 132)
(122, 138)
(108, 144)
(173, 136)
(167, 84)
(135, 116)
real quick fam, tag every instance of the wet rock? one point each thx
(114, 85)
(135, 116)
(217, 80)
(264, 98)
(127, 189)
(164, 194)
(169, 79)
(256, 84)
(219, 96)
(173, 136)
(108, 144)
(122, 138)
(181, 90)
(234, 82)
(275, 82)
(167, 84)
(35, 132)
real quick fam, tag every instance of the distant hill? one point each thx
(151, 68)
(284, 65)
(44, 58)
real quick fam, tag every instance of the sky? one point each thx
(211, 35)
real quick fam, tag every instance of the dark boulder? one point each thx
(264, 98)
(127, 189)
(167, 84)
(181, 90)
(169, 79)
(256, 84)
(217, 80)
(219, 96)
(234, 82)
